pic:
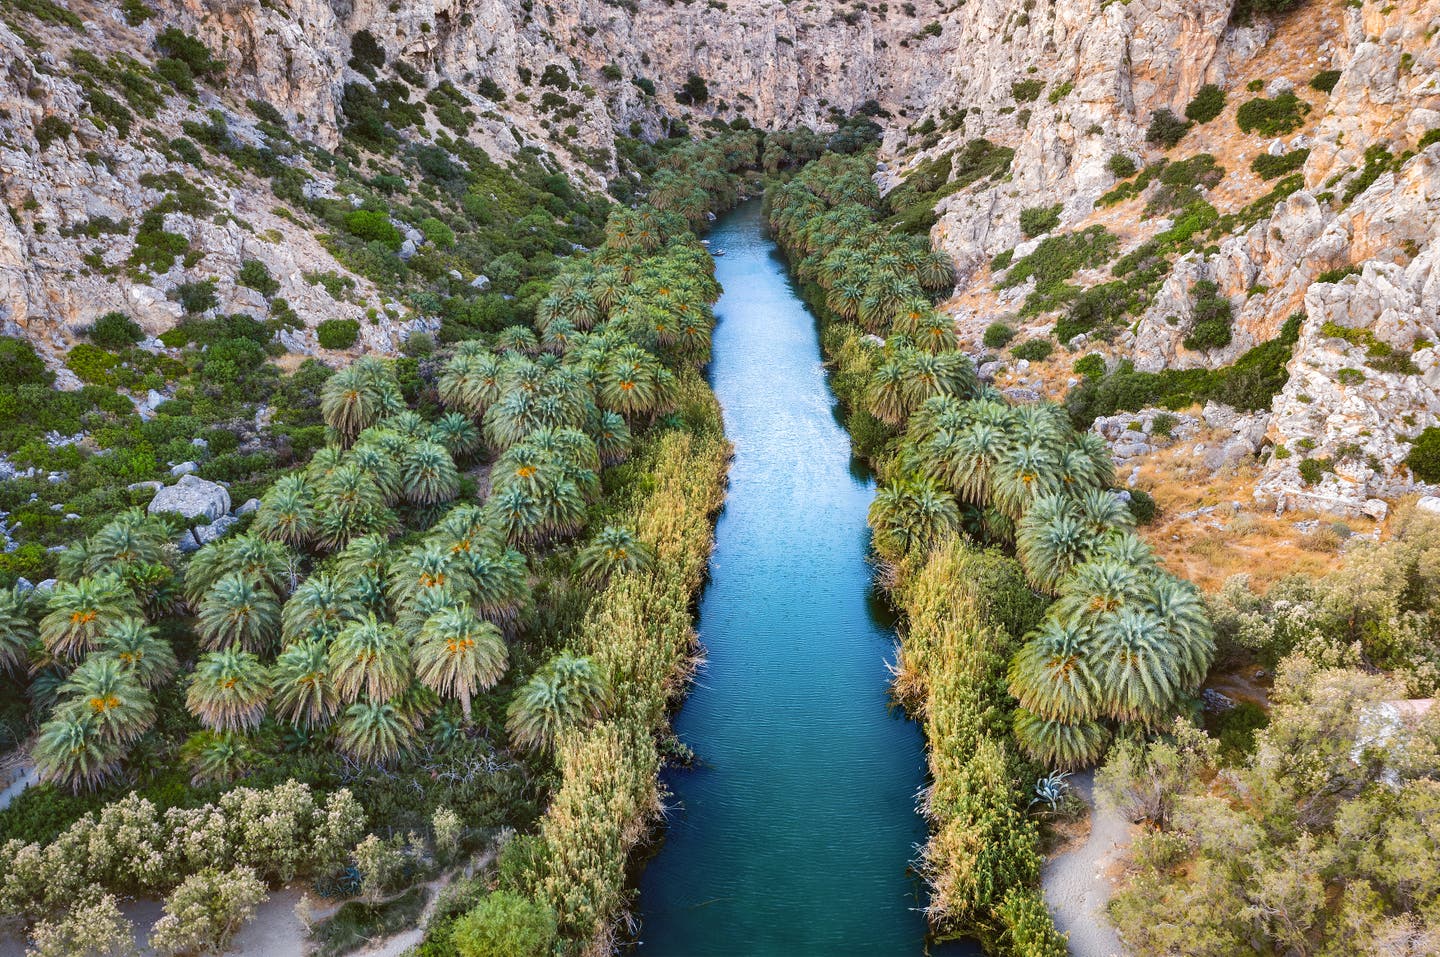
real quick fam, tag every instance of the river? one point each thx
(792, 834)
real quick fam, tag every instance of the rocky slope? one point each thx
(1067, 86)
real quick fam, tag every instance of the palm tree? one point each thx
(1139, 674)
(431, 566)
(72, 752)
(375, 732)
(17, 631)
(1127, 548)
(1099, 588)
(108, 694)
(456, 433)
(612, 438)
(912, 515)
(615, 550)
(1103, 512)
(1178, 605)
(1058, 744)
(305, 695)
(566, 692)
(80, 612)
(1051, 675)
(888, 399)
(357, 397)
(429, 474)
(287, 512)
(372, 454)
(217, 757)
(458, 654)
(236, 611)
(371, 658)
(228, 690)
(140, 650)
(518, 514)
(321, 606)
(1050, 540)
(629, 382)
(132, 537)
(1022, 475)
(499, 583)
(266, 563)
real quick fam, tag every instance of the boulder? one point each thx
(249, 506)
(192, 497)
(1429, 503)
(205, 534)
(184, 468)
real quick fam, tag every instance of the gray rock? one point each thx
(23, 585)
(184, 468)
(205, 534)
(408, 249)
(46, 586)
(1376, 509)
(187, 543)
(480, 282)
(1429, 503)
(249, 506)
(192, 497)
(199, 443)
(137, 486)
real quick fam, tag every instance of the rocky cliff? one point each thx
(1065, 87)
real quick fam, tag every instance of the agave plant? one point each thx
(566, 692)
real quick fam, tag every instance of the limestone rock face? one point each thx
(192, 497)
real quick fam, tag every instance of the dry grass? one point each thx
(1207, 549)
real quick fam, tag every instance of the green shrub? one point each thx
(1034, 350)
(1325, 80)
(1423, 460)
(196, 297)
(1002, 260)
(115, 330)
(92, 364)
(1338, 273)
(998, 335)
(437, 232)
(505, 924)
(1027, 91)
(1207, 104)
(1313, 470)
(136, 12)
(1213, 316)
(1091, 366)
(1269, 167)
(337, 333)
(50, 129)
(255, 275)
(1377, 162)
(373, 226)
(21, 365)
(1040, 219)
(1098, 309)
(177, 45)
(1121, 166)
(1428, 138)
(1166, 129)
(1142, 506)
(1276, 117)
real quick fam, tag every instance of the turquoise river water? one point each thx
(792, 834)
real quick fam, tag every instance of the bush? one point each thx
(1121, 166)
(1039, 219)
(255, 275)
(196, 297)
(1428, 138)
(115, 330)
(1423, 459)
(21, 365)
(1027, 91)
(437, 232)
(1312, 470)
(188, 50)
(1276, 117)
(1325, 80)
(1035, 350)
(1208, 103)
(1166, 129)
(998, 335)
(373, 226)
(50, 129)
(1213, 315)
(1091, 366)
(505, 925)
(1269, 167)
(337, 333)
(1142, 506)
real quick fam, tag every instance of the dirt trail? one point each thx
(1077, 884)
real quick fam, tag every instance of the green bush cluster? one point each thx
(1284, 114)
(1166, 129)
(337, 333)
(1269, 167)
(1208, 103)
(1040, 219)
(1212, 317)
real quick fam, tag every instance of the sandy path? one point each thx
(1076, 884)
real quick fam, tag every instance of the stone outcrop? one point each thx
(192, 497)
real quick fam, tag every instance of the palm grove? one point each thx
(376, 613)
(1112, 642)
